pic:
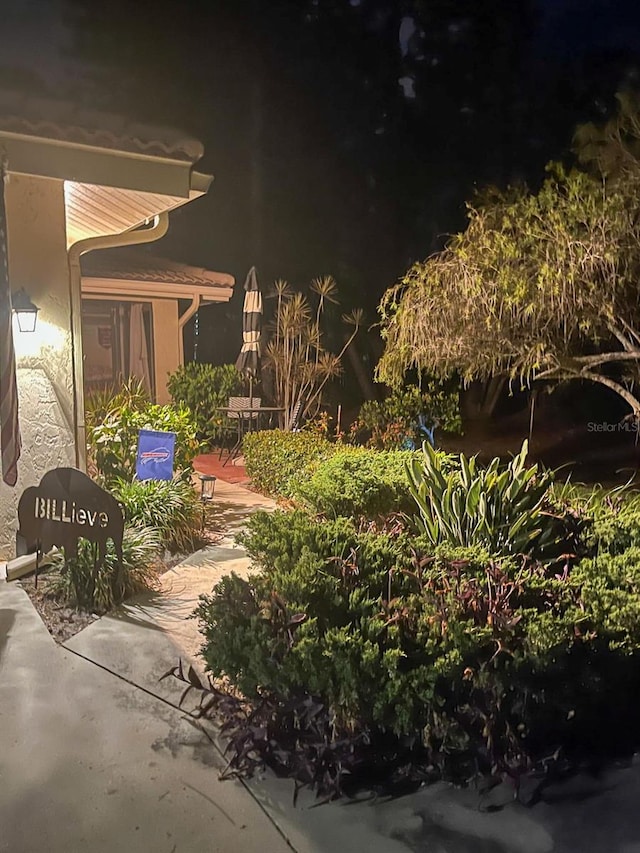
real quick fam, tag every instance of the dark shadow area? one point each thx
(579, 428)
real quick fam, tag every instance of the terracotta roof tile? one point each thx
(66, 122)
(127, 265)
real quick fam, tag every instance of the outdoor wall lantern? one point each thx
(25, 311)
(207, 485)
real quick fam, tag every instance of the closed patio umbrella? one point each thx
(248, 361)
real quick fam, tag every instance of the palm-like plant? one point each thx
(296, 355)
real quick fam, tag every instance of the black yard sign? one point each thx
(66, 506)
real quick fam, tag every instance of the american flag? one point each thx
(9, 427)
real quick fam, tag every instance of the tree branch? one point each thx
(607, 357)
(626, 395)
(626, 343)
(632, 332)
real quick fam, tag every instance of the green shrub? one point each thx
(202, 388)
(387, 424)
(359, 482)
(170, 507)
(608, 519)
(504, 509)
(491, 664)
(329, 573)
(277, 460)
(609, 587)
(113, 441)
(615, 521)
(78, 582)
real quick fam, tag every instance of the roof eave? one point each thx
(87, 164)
(200, 183)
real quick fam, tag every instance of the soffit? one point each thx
(93, 210)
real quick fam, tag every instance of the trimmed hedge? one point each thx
(277, 460)
(490, 663)
(359, 482)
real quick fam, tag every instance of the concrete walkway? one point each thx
(158, 624)
(89, 762)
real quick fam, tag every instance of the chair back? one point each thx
(238, 404)
(295, 416)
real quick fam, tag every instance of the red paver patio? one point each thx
(209, 463)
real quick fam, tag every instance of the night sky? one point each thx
(344, 135)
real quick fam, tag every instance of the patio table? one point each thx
(249, 418)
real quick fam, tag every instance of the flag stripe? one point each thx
(9, 426)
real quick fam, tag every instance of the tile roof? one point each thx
(131, 265)
(65, 121)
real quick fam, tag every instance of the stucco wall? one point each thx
(38, 262)
(166, 344)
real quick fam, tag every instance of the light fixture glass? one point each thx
(207, 485)
(26, 312)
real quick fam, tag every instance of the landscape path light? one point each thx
(207, 485)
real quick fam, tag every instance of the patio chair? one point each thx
(244, 420)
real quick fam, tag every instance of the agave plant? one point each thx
(503, 509)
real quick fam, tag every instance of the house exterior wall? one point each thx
(38, 262)
(167, 346)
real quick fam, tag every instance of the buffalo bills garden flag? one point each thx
(155, 455)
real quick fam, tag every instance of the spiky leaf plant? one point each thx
(296, 355)
(169, 506)
(83, 582)
(502, 509)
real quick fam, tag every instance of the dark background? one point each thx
(344, 135)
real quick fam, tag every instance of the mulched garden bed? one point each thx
(62, 621)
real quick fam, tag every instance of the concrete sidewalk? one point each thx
(89, 762)
(94, 753)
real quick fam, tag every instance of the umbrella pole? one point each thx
(251, 391)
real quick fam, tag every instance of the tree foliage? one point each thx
(612, 149)
(540, 285)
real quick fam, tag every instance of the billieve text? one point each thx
(67, 512)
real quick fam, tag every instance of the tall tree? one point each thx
(540, 285)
